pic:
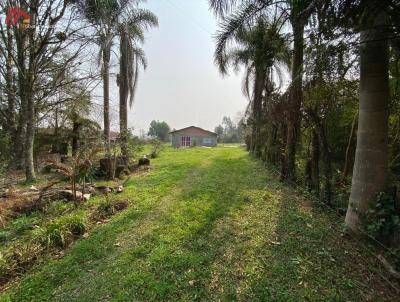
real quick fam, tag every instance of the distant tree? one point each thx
(229, 132)
(227, 123)
(220, 132)
(159, 130)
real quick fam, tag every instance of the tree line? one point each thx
(47, 73)
(322, 80)
(229, 131)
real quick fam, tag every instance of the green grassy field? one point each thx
(210, 225)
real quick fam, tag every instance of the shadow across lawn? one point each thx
(173, 260)
(215, 228)
(312, 260)
(86, 255)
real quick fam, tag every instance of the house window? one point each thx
(207, 140)
(185, 141)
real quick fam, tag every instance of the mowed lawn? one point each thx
(210, 225)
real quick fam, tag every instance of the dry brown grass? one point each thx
(19, 202)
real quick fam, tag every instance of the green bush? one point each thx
(384, 219)
(62, 231)
(105, 208)
(109, 207)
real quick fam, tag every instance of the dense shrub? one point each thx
(384, 219)
(110, 207)
(61, 232)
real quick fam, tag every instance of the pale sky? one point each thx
(181, 85)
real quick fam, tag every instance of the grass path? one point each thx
(210, 225)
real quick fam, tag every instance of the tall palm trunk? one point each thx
(257, 111)
(371, 161)
(295, 100)
(106, 92)
(123, 92)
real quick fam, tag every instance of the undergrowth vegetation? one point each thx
(61, 231)
(33, 237)
(109, 207)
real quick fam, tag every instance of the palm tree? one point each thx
(297, 13)
(261, 49)
(131, 32)
(113, 18)
(370, 172)
(103, 14)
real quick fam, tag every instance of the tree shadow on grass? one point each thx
(225, 230)
(311, 260)
(172, 259)
(85, 255)
(176, 264)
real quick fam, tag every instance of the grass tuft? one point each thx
(60, 232)
(109, 207)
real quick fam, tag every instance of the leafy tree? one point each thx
(228, 132)
(219, 130)
(39, 56)
(159, 130)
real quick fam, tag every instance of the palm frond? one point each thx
(232, 28)
(143, 18)
(140, 56)
(134, 82)
(247, 79)
(222, 7)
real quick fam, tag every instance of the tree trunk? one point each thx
(106, 93)
(315, 150)
(281, 153)
(20, 136)
(123, 93)
(370, 171)
(10, 86)
(257, 111)
(75, 137)
(123, 126)
(349, 144)
(327, 166)
(30, 136)
(295, 100)
(29, 85)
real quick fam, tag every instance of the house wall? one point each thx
(196, 137)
